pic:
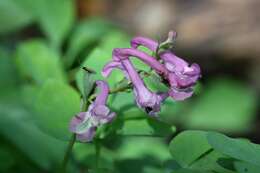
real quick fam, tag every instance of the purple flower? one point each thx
(145, 99)
(151, 44)
(146, 42)
(180, 76)
(125, 53)
(85, 123)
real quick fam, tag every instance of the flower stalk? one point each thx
(68, 153)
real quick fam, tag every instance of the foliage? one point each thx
(41, 81)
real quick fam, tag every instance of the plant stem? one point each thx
(97, 148)
(120, 89)
(68, 153)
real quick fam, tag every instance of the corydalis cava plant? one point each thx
(145, 99)
(176, 73)
(84, 124)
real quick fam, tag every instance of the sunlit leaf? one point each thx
(146, 154)
(37, 61)
(145, 126)
(99, 57)
(86, 33)
(189, 146)
(13, 16)
(214, 161)
(235, 148)
(56, 17)
(243, 167)
(56, 104)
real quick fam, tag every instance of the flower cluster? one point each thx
(175, 73)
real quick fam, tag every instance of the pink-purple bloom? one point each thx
(84, 124)
(149, 101)
(180, 76)
(174, 71)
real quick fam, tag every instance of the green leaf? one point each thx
(85, 34)
(55, 17)
(85, 154)
(191, 171)
(88, 83)
(171, 165)
(146, 127)
(56, 104)
(17, 127)
(38, 62)
(191, 150)
(6, 159)
(8, 73)
(235, 148)
(102, 55)
(12, 16)
(29, 94)
(225, 104)
(189, 146)
(214, 161)
(135, 154)
(243, 167)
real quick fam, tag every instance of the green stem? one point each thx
(120, 89)
(68, 153)
(97, 148)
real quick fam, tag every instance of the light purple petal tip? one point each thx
(109, 67)
(181, 77)
(146, 42)
(85, 123)
(120, 54)
(76, 120)
(101, 98)
(172, 62)
(87, 136)
(180, 95)
(171, 36)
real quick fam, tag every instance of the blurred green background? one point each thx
(43, 44)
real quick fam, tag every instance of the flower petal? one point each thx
(101, 98)
(111, 66)
(76, 120)
(124, 53)
(87, 136)
(180, 95)
(172, 62)
(147, 42)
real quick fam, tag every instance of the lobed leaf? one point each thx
(56, 104)
(37, 61)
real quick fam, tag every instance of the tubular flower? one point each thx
(179, 75)
(149, 101)
(84, 124)
(125, 53)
